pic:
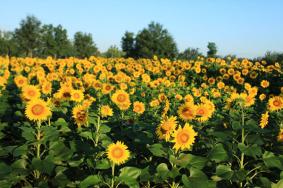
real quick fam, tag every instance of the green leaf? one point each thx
(21, 150)
(28, 133)
(272, 161)
(224, 172)
(45, 165)
(19, 164)
(277, 185)
(189, 160)
(102, 164)
(145, 175)
(90, 181)
(162, 170)
(250, 150)
(157, 150)
(190, 182)
(218, 153)
(5, 169)
(265, 182)
(104, 129)
(129, 175)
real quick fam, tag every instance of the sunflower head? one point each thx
(264, 120)
(77, 95)
(275, 103)
(118, 153)
(30, 92)
(138, 107)
(37, 110)
(80, 114)
(166, 127)
(184, 137)
(106, 110)
(187, 111)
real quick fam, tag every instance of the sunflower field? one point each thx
(117, 122)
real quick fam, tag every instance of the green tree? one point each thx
(212, 49)
(128, 44)
(155, 40)
(28, 35)
(189, 53)
(8, 45)
(84, 45)
(113, 52)
(48, 43)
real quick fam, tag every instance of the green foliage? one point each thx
(212, 49)
(84, 45)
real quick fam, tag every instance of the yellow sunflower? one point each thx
(280, 135)
(138, 107)
(118, 153)
(107, 88)
(184, 137)
(166, 127)
(264, 120)
(122, 99)
(264, 83)
(275, 103)
(106, 110)
(203, 112)
(80, 114)
(37, 110)
(77, 95)
(187, 111)
(30, 92)
(20, 81)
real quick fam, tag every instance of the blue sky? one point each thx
(247, 28)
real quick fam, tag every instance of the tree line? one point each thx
(34, 39)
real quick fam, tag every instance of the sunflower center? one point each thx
(184, 137)
(37, 109)
(186, 112)
(108, 88)
(76, 95)
(276, 103)
(201, 112)
(81, 115)
(31, 93)
(21, 81)
(121, 98)
(66, 95)
(117, 152)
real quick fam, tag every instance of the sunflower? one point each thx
(184, 137)
(122, 99)
(106, 110)
(275, 103)
(30, 92)
(107, 88)
(46, 88)
(37, 110)
(203, 112)
(80, 114)
(187, 111)
(138, 107)
(280, 135)
(118, 153)
(20, 81)
(77, 95)
(264, 83)
(264, 120)
(166, 127)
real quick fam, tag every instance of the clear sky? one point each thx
(247, 28)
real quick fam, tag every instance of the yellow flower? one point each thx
(80, 115)
(184, 137)
(264, 120)
(37, 110)
(106, 110)
(118, 153)
(20, 81)
(138, 107)
(121, 99)
(187, 111)
(107, 88)
(77, 95)
(30, 92)
(166, 127)
(275, 103)
(264, 83)
(280, 135)
(262, 96)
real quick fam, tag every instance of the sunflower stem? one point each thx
(242, 140)
(38, 135)
(113, 175)
(97, 131)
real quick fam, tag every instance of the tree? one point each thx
(212, 49)
(64, 46)
(154, 40)
(113, 52)
(189, 53)
(8, 46)
(48, 43)
(28, 35)
(128, 44)
(84, 45)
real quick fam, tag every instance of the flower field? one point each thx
(116, 122)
